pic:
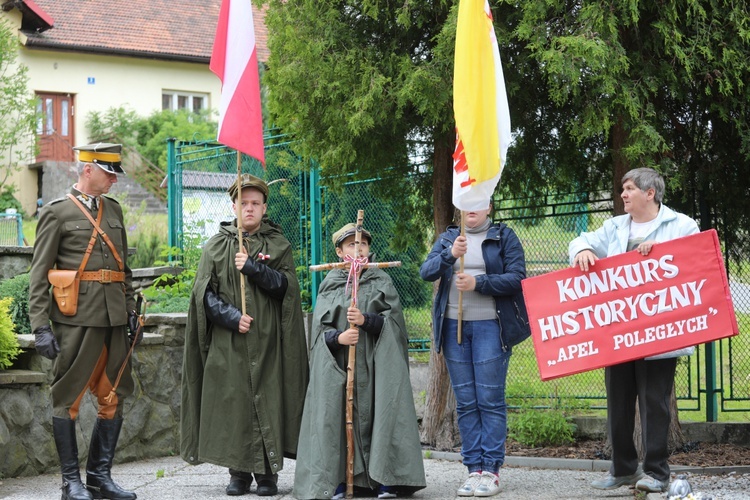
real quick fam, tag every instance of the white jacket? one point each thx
(612, 239)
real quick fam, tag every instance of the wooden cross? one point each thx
(354, 265)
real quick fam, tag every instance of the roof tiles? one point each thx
(160, 29)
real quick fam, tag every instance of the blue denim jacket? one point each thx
(503, 278)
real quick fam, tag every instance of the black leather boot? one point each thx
(64, 431)
(266, 484)
(239, 482)
(99, 467)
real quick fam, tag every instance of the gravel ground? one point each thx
(171, 478)
(730, 486)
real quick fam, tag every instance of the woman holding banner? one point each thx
(494, 266)
(649, 381)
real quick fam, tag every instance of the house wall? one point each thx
(24, 179)
(100, 82)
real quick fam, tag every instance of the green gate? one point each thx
(199, 174)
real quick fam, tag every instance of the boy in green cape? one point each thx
(388, 457)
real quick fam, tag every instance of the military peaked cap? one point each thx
(105, 155)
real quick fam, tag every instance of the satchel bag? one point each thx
(65, 289)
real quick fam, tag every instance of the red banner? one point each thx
(630, 306)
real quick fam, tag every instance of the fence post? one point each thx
(19, 222)
(173, 199)
(711, 391)
(316, 248)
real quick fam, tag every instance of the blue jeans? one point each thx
(478, 368)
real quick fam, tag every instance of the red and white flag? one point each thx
(234, 60)
(480, 106)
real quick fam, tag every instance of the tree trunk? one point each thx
(619, 164)
(676, 437)
(442, 182)
(439, 424)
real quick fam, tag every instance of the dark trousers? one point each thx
(248, 476)
(650, 382)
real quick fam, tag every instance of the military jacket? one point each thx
(62, 235)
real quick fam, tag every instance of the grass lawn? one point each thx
(29, 231)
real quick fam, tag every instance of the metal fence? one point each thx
(715, 379)
(310, 209)
(11, 229)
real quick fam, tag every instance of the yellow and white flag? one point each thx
(480, 106)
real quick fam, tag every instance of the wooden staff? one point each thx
(341, 265)
(238, 208)
(460, 293)
(350, 371)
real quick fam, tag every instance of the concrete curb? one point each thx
(711, 471)
(535, 462)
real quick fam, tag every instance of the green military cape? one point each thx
(387, 447)
(242, 394)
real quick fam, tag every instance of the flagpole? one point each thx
(238, 208)
(461, 293)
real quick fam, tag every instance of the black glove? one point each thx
(45, 342)
(134, 327)
(219, 312)
(269, 279)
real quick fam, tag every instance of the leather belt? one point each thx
(103, 276)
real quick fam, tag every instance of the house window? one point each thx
(173, 100)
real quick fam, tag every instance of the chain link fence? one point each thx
(340, 206)
(11, 229)
(199, 174)
(310, 210)
(545, 227)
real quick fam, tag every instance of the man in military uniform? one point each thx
(244, 373)
(90, 344)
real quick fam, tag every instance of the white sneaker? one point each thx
(470, 485)
(489, 485)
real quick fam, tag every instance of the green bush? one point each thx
(169, 305)
(171, 293)
(147, 250)
(149, 134)
(9, 348)
(8, 200)
(540, 427)
(17, 288)
(147, 233)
